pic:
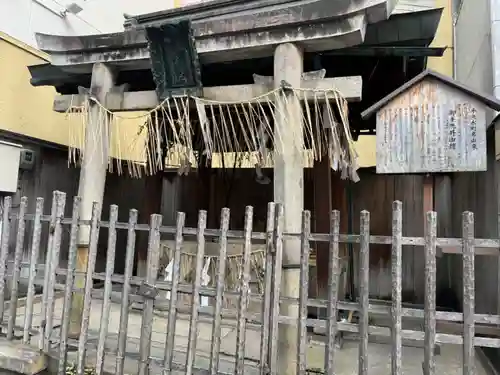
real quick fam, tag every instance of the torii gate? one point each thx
(288, 167)
(288, 67)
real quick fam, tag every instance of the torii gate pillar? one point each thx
(289, 191)
(92, 179)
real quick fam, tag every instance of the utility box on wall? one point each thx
(10, 154)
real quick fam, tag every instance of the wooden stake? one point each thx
(428, 196)
(428, 199)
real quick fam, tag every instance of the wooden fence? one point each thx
(18, 319)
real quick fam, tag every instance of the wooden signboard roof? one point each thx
(488, 100)
(432, 124)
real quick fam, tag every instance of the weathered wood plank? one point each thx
(124, 300)
(304, 281)
(430, 294)
(265, 339)
(172, 313)
(333, 283)
(349, 87)
(195, 295)
(244, 292)
(445, 147)
(364, 277)
(276, 288)
(147, 312)
(397, 282)
(482, 246)
(449, 323)
(468, 292)
(221, 271)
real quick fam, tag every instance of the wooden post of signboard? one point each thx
(428, 195)
(432, 124)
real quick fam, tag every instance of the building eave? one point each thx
(129, 50)
(232, 16)
(228, 30)
(21, 140)
(133, 52)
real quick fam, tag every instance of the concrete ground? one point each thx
(449, 362)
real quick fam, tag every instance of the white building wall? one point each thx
(472, 45)
(21, 19)
(477, 192)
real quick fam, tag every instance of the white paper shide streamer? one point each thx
(193, 130)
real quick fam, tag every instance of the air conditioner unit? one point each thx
(27, 159)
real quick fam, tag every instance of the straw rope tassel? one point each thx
(226, 127)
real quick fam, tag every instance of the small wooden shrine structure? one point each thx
(282, 77)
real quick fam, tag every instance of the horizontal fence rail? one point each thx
(155, 298)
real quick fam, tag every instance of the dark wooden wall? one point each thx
(50, 173)
(373, 192)
(235, 193)
(128, 193)
(245, 191)
(469, 191)
(376, 193)
(477, 192)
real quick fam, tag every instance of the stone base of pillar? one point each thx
(288, 333)
(75, 320)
